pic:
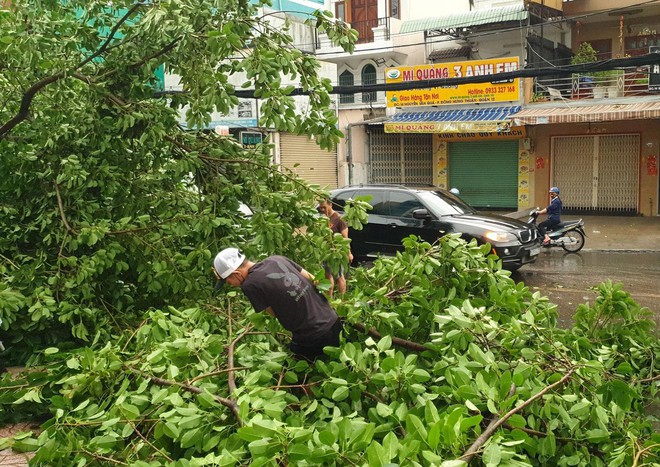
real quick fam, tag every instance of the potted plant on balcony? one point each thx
(585, 85)
(611, 80)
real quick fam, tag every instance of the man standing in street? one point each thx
(283, 289)
(337, 225)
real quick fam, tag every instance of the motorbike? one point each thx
(569, 235)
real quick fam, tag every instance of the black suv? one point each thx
(400, 211)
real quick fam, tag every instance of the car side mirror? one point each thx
(421, 214)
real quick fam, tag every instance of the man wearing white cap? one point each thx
(285, 290)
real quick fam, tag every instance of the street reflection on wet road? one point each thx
(568, 279)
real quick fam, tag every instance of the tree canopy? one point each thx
(111, 213)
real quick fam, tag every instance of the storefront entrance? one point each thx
(485, 173)
(405, 158)
(597, 173)
(303, 156)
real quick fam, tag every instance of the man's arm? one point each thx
(270, 311)
(344, 233)
(307, 275)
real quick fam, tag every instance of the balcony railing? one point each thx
(362, 99)
(618, 83)
(365, 29)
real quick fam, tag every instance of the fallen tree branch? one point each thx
(99, 457)
(227, 402)
(395, 340)
(648, 380)
(231, 378)
(151, 445)
(60, 204)
(26, 102)
(639, 454)
(32, 91)
(498, 422)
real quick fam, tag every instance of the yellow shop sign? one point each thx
(458, 128)
(516, 132)
(452, 95)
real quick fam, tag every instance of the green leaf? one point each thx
(377, 455)
(517, 421)
(390, 445)
(340, 393)
(416, 428)
(492, 454)
(598, 435)
(384, 410)
(385, 343)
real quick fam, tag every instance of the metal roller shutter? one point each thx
(400, 158)
(597, 173)
(485, 172)
(314, 165)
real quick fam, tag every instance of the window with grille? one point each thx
(340, 11)
(369, 77)
(346, 79)
(394, 9)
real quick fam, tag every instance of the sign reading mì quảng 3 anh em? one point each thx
(452, 95)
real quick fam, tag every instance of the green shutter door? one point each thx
(485, 172)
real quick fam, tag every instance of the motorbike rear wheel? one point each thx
(577, 241)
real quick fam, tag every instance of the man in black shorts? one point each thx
(337, 225)
(283, 289)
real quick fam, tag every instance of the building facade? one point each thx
(503, 145)
(596, 136)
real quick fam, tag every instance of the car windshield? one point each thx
(445, 204)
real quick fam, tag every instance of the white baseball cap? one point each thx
(228, 261)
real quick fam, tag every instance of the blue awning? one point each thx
(487, 119)
(459, 115)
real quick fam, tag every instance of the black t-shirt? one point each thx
(276, 282)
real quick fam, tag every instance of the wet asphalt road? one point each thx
(568, 278)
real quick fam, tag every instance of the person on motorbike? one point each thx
(554, 214)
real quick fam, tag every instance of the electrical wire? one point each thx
(601, 65)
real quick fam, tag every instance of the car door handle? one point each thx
(393, 225)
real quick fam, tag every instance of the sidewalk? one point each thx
(620, 233)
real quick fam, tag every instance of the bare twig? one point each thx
(231, 378)
(143, 438)
(395, 340)
(111, 36)
(282, 373)
(289, 386)
(227, 402)
(157, 54)
(497, 423)
(540, 434)
(648, 380)
(60, 204)
(103, 458)
(9, 261)
(639, 454)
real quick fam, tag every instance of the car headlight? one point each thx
(500, 237)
